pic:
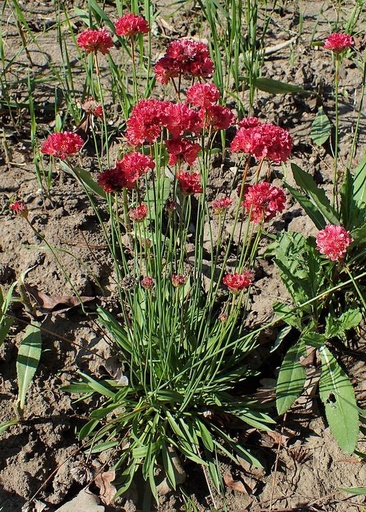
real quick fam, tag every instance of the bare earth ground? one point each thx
(41, 458)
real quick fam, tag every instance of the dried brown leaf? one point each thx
(236, 485)
(57, 303)
(107, 490)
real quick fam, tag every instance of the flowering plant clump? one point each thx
(130, 25)
(333, 242)
(338, 43)
(62, 144)
(93, 41)
(263, 201)
(181, 328)
(263, 140)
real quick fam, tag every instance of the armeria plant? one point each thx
(180, 330)
(326, 280)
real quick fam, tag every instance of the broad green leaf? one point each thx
(321, 128)
(289, 315)
(277, 87)
(29, 354)
(300, 266)
(314, 339)
(359, 181)
(337, 326)
(317, 195)
(5, 325)
(338, 397)
(291, 378)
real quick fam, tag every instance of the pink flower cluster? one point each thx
(237, 282)
(91, 106)
(189, 182)
(338, 42)
(220, 205)
(184, 57)
(126, 172)
(262, 140)
(62, 144)
(130, 25)
(262, 201)
(139, 213)
(93, 41)
(333, 241)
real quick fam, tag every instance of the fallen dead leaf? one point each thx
(236, 485)
(107, 490)
(55, 304)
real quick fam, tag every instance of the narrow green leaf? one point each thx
(338, 397)
(317, 195)
(167, 456)
(98, 387)
(7, 424)
(354, 490)
(100, 15)
(311, 210)
(321, 128)
(277, 87)
(86, 179)
(102, 447)
(205, 434)
(88, 428)
(291, 378)
(28, 358)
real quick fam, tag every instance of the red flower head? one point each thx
(19, 208)
(179, 118)
(262, 201)
(91, 106)
(126, 173)
(139, 213)
(238, 282)
(189, 183)
(333, 241)
(263, 141)
(203, 95)
(146, 121)
(62, 144)
(130, 25)
(147, 282)
(182, 150)
(218, 117)
(186, 57)
(338, 42)
(95, 41)
(179, 280)
(220, 205)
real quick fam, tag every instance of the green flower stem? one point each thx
(335, 198)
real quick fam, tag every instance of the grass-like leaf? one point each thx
(28, 358)
(359, 181)
(338, 397)
(316, 194)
